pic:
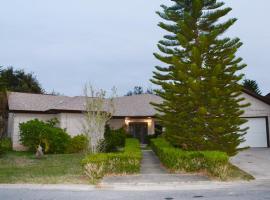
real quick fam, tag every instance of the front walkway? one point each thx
(151, 164)
(152, 172)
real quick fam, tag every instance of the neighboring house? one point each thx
(135, 113)
(258, 115)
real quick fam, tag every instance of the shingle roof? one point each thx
(258, 96)
(138, 105)
(33, 102)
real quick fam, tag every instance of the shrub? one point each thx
(32, 133)
(58, 140)
(78, 143)
(112, 140)
(119, 137)
(213, 162)
(6, 144)
(51, 138)
(128, 162)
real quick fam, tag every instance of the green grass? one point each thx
(23, 167)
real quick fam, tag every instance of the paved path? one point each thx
(151, 164)
(152, 172)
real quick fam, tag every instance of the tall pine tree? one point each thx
(200, 81)
(252, 86)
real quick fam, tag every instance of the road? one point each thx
(251, 191)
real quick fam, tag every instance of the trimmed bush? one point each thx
(51, 138)
(127, 162)
(78, 143)
(58, 140)
(177, 160)
(119, 137)
(112, 140)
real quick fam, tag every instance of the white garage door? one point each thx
(256, 134)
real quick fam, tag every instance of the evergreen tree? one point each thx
(2, 84)
(3, 108)
(200, 83)
(16, 81)
(252, 86)
(137, 90)
(19, 81)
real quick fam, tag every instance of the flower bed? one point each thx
(127, 162)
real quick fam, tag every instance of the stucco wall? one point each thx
(10, 124)
(72, 122)
(117, 123)
(15, 119)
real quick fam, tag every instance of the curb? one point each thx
(203, 185)
(65, 187)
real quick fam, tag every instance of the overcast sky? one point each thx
(110, 43)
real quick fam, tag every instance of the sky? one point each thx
(67, 43)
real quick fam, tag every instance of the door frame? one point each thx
(146, 130)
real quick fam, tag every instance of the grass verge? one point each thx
(237, 174)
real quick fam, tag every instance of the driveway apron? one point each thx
(255, 161)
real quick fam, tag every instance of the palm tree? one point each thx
(252, 86)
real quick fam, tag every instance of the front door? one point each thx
(139, 131)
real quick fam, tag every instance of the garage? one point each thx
(257, 135)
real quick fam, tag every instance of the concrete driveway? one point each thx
(255, 161)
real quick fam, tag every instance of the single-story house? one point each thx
(135, 113)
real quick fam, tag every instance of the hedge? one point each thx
(126, 162)
(214, 163)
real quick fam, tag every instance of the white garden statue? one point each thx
(39, 152)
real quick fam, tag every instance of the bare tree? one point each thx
(99, 111)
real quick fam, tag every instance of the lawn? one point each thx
(23, 167)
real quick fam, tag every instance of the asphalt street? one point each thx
(251, 191)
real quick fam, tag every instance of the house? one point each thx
(133, 112)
